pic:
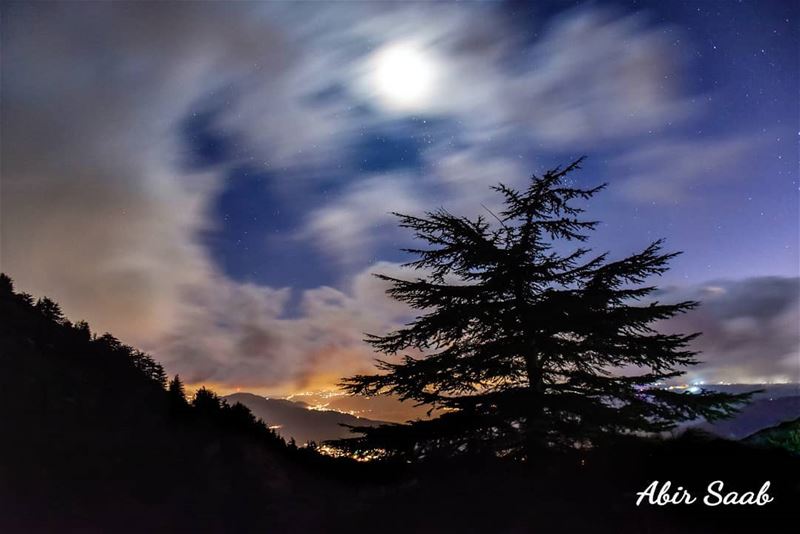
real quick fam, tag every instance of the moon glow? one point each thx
(404, 76)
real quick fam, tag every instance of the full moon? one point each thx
(404, 76)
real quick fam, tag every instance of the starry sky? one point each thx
(212, 182)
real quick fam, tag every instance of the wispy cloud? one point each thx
(351, 225)
(671, 170)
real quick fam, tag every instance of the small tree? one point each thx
(517, 342)
(82, 331)
(50, 310)
(176, 392)
(6, 284)
(207, 403)
(176, 389)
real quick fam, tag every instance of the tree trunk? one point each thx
(534, 432)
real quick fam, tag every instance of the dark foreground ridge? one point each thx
(96, 440)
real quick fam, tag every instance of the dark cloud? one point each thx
(750, 327)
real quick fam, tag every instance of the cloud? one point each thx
(350, 226)
(238, 335)
(596, 77)
(750, 327)
(466, 178)
(673, 170)
(593, 79)
(361, 216)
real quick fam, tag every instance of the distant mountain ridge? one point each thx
(776, 404)
(292, 419)
(758, 415)
(765, 391)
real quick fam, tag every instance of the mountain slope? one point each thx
(93, 442)
(758, 415)
(296, 420)
(785, 436)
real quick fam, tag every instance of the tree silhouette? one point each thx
(97, 428)
(82, 331)
(176, 390)
(206, 402)
(176, 398)
(6, 284)
(517, 340)
(50, 309)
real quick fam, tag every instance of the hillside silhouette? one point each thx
(785, 436)
(97, 439)
(296, 420)
(93, 440)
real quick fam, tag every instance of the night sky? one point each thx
(722, 169)
(212, 181)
